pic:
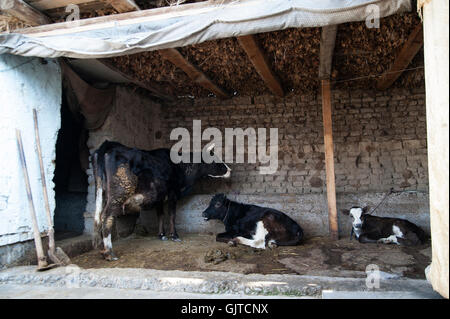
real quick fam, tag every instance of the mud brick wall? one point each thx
(380, 140)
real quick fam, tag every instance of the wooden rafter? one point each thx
(197, 76)
(176, 58)
(261, 63)
(24, 12)
(403, 59)
(123, 5)
(44, 5)
(155, 88)
(327, 42)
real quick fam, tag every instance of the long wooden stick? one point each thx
(51, 232)
(329, 159)
(42, 260)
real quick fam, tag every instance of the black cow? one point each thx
(252, 225)
(372, 229)
(134, 179)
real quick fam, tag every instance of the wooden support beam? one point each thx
(327, 42)
(153, 87)
(24, 12)
(403, 59)
(261, 63)
(197, 76)
(329, 159)
(44, 5)
(123, 5)
(173, 55)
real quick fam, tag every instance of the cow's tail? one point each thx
(99, 183)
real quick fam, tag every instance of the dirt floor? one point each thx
(317, 256)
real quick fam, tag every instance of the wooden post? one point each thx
(329, 158)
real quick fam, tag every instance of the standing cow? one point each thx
(252, 225)
(129, 179)
(372, 229)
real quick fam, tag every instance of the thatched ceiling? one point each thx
(361, 54)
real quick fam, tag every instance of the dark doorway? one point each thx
(70, 178)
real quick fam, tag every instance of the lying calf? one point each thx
(252, 225)
(373, 229)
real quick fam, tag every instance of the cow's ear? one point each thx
(365, 210)
(345, 211)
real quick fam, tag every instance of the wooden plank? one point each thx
(329, 159)
(403, 59)
(261, 63)
(128, 18)
(123, 5)
(24, 12)
(197, 76)
(327, 42)
(44, 5)
(153, 87)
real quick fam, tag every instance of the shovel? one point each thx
(57, 255)
(42, 260)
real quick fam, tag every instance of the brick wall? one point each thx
(380, 140)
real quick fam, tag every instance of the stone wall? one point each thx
(380, 142)
(379, 137)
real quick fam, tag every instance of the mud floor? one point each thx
(317, 256)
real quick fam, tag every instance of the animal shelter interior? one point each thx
(348, 100)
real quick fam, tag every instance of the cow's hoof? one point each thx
(232, 243)
(110, 257)
(175, 238)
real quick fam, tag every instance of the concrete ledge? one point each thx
(202, 282)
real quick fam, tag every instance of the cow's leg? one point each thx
(389, 240)
(160, 214)
(224, 237)
(172, 215)
(258, 240)
(106, 214)
(366, 238)
(108, 224)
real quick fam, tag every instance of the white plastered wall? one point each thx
(435, 16)
(26, 83)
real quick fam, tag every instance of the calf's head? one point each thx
(356, 213)
(217, 208)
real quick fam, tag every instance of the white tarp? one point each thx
(196, 25)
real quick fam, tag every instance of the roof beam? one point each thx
(153, 87)
(261, 63)
(403, 59)
(327, 43)
(43, 5)
(24, 12)
(197, 76)
(122, 6)
(173, 55)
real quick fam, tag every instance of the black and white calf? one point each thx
(252, 225)
(372, 229)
